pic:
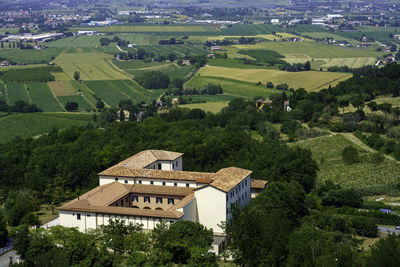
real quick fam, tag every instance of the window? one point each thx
(245, 182)
(135, 199)
(126, 181)
(171, 201)
(140, 181)
(116, 179)
(227, 211)
(122, 202)
(163, 183)
(187, 185)
(151, 182)
(159, 166)
(173, 165)
(78, 216)
(227, 197)
(88, 215)
(146, 199)
(176, 164)
(236, 190)
(175, 184)
(159, 200)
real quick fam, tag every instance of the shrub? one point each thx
(71, 106)
(350, 155)
(377, 157)
(342, 197)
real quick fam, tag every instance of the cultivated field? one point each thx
(30, 56)
(140, 28)
(311, 49)
(310, 80)
(111, 92)
(213, 107)
(92, 66)
(327, 152)
(41, 96)
(350, 62)
(39, 123)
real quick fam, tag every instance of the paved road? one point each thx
(5, 258)
(388, 230)
(51, 223)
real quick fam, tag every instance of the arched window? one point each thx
(159, 208)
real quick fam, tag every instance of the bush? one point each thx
(377, 158)
(270, 85)
(71, 106)
(342, 197)
(350, 155)
(364, 226)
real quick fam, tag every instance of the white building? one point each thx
(275, 21)
(150, 187)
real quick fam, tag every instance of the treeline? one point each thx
(117, 243)
(208, 89)
(40, 74)
(171, 41)
(242, 40)
(104, 41)
(295, 67)
(19, 107)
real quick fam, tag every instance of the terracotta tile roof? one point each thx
(159, 190)
(147, 157)
(181, 203)
(228, 178)
(99, 199)
(84, 206)
(258, 184)
(121, 171)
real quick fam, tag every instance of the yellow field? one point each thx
(60, 76)
(92, 66)
(310, 80)
(213, 107)
(264, 36)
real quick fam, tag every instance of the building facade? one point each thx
(151, 187)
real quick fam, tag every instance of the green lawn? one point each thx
(33, 124)
(327, 152)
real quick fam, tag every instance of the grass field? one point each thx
(39, 123)
(378, 33)
(92, 66)
(310, 80)
(151, 28)
(77, 41)
(350, 62)
(231, 63)
(327, 152)
(395, 101)
(213, 107)
(311, 49)
(114, 91)
(178, 50)
(3, 95)
(42, 97)
(83, 105)
(30, 56)
(232, 87)
(16, 92)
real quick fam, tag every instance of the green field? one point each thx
(213, 107)
(83, 105)
(380, 34)
(30, 56)
(311, 49)
(77, 41)
(327, 152)
(178, 50)
(33, 124)
(41, 96)
(350, 62)
(16, 92)
(310, 80)
(150, 28)
(111, 92)
(92, 66)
